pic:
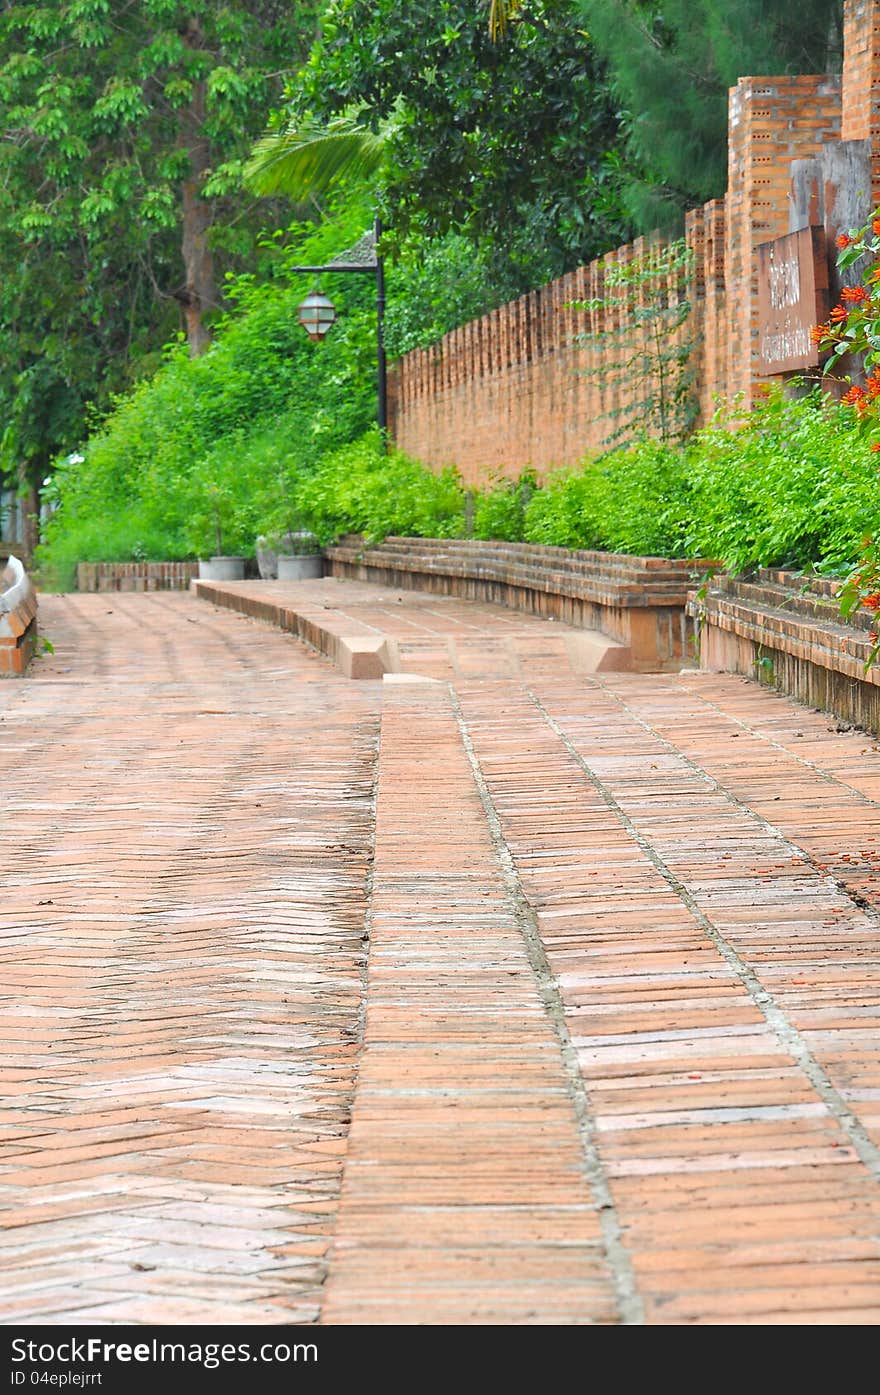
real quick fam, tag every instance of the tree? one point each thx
(123, 125)
(671, 66)
(513, 144)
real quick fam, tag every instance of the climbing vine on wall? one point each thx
(642, 346)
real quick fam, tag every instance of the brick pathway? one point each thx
(186, 832)
(616, 1043)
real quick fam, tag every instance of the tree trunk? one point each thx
(200, 291)
(30, 500)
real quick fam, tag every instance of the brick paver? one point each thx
(614, 1054)
(467, 1195)
(682, 929)
(186, 830)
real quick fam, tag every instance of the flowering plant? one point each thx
(853, 327)
(854, 324)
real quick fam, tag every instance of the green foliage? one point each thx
(224, 435)
(437, 286)
(512, 144)
(500, 511)
(853, 328)
(788, 484)
(792, 485)
(305, 159)
(361, 489)
(632, 500)
(113, 118)
(671, 66)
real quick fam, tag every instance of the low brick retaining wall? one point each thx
(638, 601)
(785, 629)
(18, 619)
(135, 576)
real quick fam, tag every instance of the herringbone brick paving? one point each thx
(186, 826)
(614, 1057)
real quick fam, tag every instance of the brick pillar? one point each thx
(772, 121)
(860, 103)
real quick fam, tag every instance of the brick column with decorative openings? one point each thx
(860, 115)
(772, 121)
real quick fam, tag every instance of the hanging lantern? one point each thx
(316, 314)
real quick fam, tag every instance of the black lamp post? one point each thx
(317, 312)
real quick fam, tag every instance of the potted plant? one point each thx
(300, 557)
(213, 516)
(288, 550)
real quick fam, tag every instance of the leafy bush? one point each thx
(629, 501)
(790, 483)
(500, 511)
(361, 489)
(231, 428)
(793, 485)
(266, 433)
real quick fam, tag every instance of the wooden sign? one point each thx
(792, 298)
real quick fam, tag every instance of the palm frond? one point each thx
(309, 160)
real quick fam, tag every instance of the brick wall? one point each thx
(135, 576)
(509, 390)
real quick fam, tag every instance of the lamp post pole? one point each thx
(382, 372)
(375, 267)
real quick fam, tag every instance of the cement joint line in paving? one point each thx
(368, 918)
(774, 1016)
(628, 1299)
(793, 848)
(826, 775)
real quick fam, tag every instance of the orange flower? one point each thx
(876, 226)
(844, 241)
(871, 602)
(838, 314)
(875, 445)
(873, 385)
(854, 395)
(854, 294)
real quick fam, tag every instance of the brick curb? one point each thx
(18, 620)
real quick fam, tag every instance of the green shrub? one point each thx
(629, 501)
(500, 511)
(361, 489)
(223, 435)
(791, 484)
(267, 432)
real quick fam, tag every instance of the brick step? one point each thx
(610, 577)
(356, 649)
(787, 598)
(464, 1197)
(801, 581)
(637, 601)
(369, 631)
(135, 576)
(777, 628)
(542, 551)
